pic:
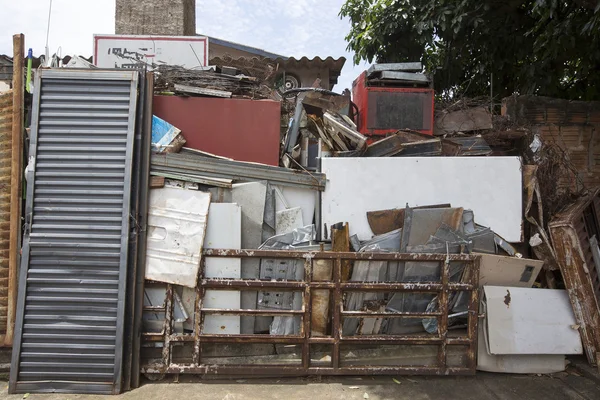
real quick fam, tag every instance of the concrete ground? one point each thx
(579, 382)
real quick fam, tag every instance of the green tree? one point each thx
(544, 47)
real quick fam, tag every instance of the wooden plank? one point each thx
(202, 91)
(15, 183)
(340, 241)
(157, 182)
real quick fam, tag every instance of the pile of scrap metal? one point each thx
(225, 82)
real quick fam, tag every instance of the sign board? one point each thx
(133, 51)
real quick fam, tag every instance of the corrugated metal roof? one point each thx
(334, 65)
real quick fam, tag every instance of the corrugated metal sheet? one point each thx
(6, 109)
(69, 327)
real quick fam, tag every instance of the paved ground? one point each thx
(576, 384)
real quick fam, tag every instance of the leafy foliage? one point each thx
(544, 47)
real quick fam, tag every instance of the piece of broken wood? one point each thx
(201, 91)
(157, 182)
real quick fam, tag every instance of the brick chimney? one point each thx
(156, 17)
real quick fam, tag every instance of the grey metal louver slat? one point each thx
(69, 325)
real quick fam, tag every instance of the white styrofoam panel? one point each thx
(176, 228)
(530, 321)
(291, 197)
(490, 186)
(252, 197)
(223, 231)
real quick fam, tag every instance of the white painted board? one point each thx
(132, 51)
(224, 231)
(490, 186)
(176, 228)
(530, 321)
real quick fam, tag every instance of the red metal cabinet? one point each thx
(385, 109)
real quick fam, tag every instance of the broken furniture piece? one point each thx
(573, 232)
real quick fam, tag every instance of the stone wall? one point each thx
(155, 17)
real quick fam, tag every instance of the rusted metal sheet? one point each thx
(6, 115)
(197, 363)
(571, 232)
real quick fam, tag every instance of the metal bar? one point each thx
(168, 326)
(228, 284)
(132, 262)
(288, 370)
(370, 314)
(199, 315)
(443, 298)
(306, 314)
(337, 319)
(238, 170)
(473, 317)
(332, 255)
(15, 185)
(200, 293)
(268, 313)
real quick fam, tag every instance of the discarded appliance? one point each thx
(392, 97)
(526, 330)
(358, 185)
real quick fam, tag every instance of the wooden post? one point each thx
(15, 185)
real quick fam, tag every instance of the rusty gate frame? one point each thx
(337, 288)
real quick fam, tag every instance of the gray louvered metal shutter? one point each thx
(69, 327)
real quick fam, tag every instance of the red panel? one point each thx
(245, 130)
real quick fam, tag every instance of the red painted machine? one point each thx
(390, 97)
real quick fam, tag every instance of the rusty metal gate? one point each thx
(194, 361)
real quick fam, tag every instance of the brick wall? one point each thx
(572, 125)
(155, 17)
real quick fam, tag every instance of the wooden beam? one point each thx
(340, 241)
(15, 184)
(157, 182)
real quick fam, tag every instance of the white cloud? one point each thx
(299, 28)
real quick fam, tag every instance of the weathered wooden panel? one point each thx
(6, 112)
(571, 233)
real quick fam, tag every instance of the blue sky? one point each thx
(289, 27)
